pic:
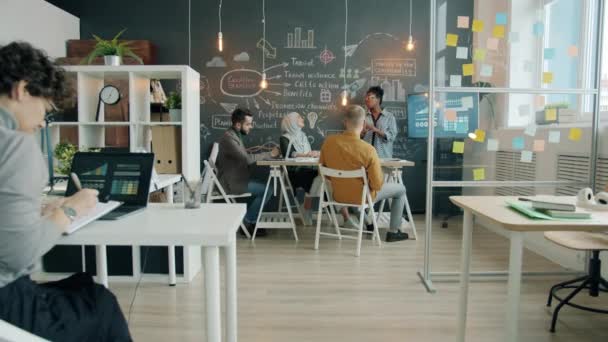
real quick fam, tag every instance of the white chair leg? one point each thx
(360, 232)
(410, 218)
(319, 218)
(332, 217)
(375, 224)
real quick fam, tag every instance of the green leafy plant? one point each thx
(174, 101)
(562, 105)
(64, 153)
(111, 48)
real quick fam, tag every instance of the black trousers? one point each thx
(302, 177)
(72, 309)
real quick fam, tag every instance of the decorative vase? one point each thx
(175, 115)
(112, 60)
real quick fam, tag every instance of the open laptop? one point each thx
(122, 177)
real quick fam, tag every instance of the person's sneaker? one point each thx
(351, 223)
(396, 236)
(370, 228)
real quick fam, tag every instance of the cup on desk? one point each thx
(192, 194)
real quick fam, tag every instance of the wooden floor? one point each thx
(289, 292)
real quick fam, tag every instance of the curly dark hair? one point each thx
(20, 61)
(239, 114)
(377, 91)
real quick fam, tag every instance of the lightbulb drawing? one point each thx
(220, 41)
(312, 119)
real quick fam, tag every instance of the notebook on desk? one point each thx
(100, 210)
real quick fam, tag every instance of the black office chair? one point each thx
(593, 281)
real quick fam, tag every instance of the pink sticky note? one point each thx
(539, 146)
(539, 101)
(463, 22)
(450, 115)
(492, 44)
(573, 51)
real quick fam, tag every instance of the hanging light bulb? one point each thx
(264, 83)
(220, 38)
(410, 44)
(220, 41)
(344, 98)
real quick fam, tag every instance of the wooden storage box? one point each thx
(166, 145)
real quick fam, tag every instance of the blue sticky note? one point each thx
(462, 127)
(518, 143)
(538, 28)
(549, 53)
(501, 18)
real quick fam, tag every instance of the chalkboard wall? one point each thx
(305, 55)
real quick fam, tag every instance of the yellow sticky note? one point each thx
(451, 39)
(479, 174)
(477, 25)
(468, 69)
(550, 114)
(479, 55)
(480, 135)
(458, 147)
(575, 134)
(547, 77)
(498, 31)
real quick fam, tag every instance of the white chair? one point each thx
(11, 333)
(215, 191)
(327, 203)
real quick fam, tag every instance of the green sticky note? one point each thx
(479, 174)
(458, 147)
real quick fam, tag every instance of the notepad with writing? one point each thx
(100, 209)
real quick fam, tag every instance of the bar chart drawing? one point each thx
(301, 40)
(393, 90)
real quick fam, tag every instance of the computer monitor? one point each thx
(464, 105)
(123, 177)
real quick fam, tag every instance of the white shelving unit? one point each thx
(91, 133)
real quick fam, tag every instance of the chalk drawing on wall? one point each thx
(312, 119)
(326, 56)
(269, 50)
(301, 39)
(352, 48)
(216, 62)
(245, 83)
(325, 96)
(241, 57)
(228, 107)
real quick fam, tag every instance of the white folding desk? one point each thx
(278, 173)
(494, 209)
(211, 227)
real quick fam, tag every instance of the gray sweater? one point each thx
(25, 235)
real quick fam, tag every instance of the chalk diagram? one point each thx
(245, 84)
(269, 50)
(326, 56)
(295, 39)
(350, 49)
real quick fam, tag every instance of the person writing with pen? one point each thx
(72, 309)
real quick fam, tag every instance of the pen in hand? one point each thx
(76, 181)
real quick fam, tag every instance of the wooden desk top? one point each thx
(495, 209)
(163, 224)
(394, 163)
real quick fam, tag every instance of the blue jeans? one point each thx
(254, 205)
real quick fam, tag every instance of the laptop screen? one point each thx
(123, 177)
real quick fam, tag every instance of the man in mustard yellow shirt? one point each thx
(347, 152)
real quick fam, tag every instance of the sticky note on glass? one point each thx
(467, 102)
(530, 130)
(573, 51)
(539, 146)
(479, 174)
(455, 80)
(451, 39)
(513, 37)
(539, 101)
(498, 31)
(492, 44)
(462, 52)
(554, 137)
(524, 110)
(538, 28)
(463, 22)
(526, 156)
(518, 143)
(486, 70)
(450, 115)
(550, 114)
(549, 53)
(492, 145)
(468, 69)
(480, 135)
(479, 55)
(547, 77)
(575, 134)
(501, 18)
(458, 147)
(477, 25)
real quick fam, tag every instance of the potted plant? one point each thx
(64, 153)
(111, 50)
(174, 104)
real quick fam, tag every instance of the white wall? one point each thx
(39, 23)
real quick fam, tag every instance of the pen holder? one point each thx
(192, 195)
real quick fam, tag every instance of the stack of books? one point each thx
(558, 210)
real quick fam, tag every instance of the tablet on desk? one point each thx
(100, 210)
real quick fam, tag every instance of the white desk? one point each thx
(494, 209)
(212, 226)
(278, 173)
